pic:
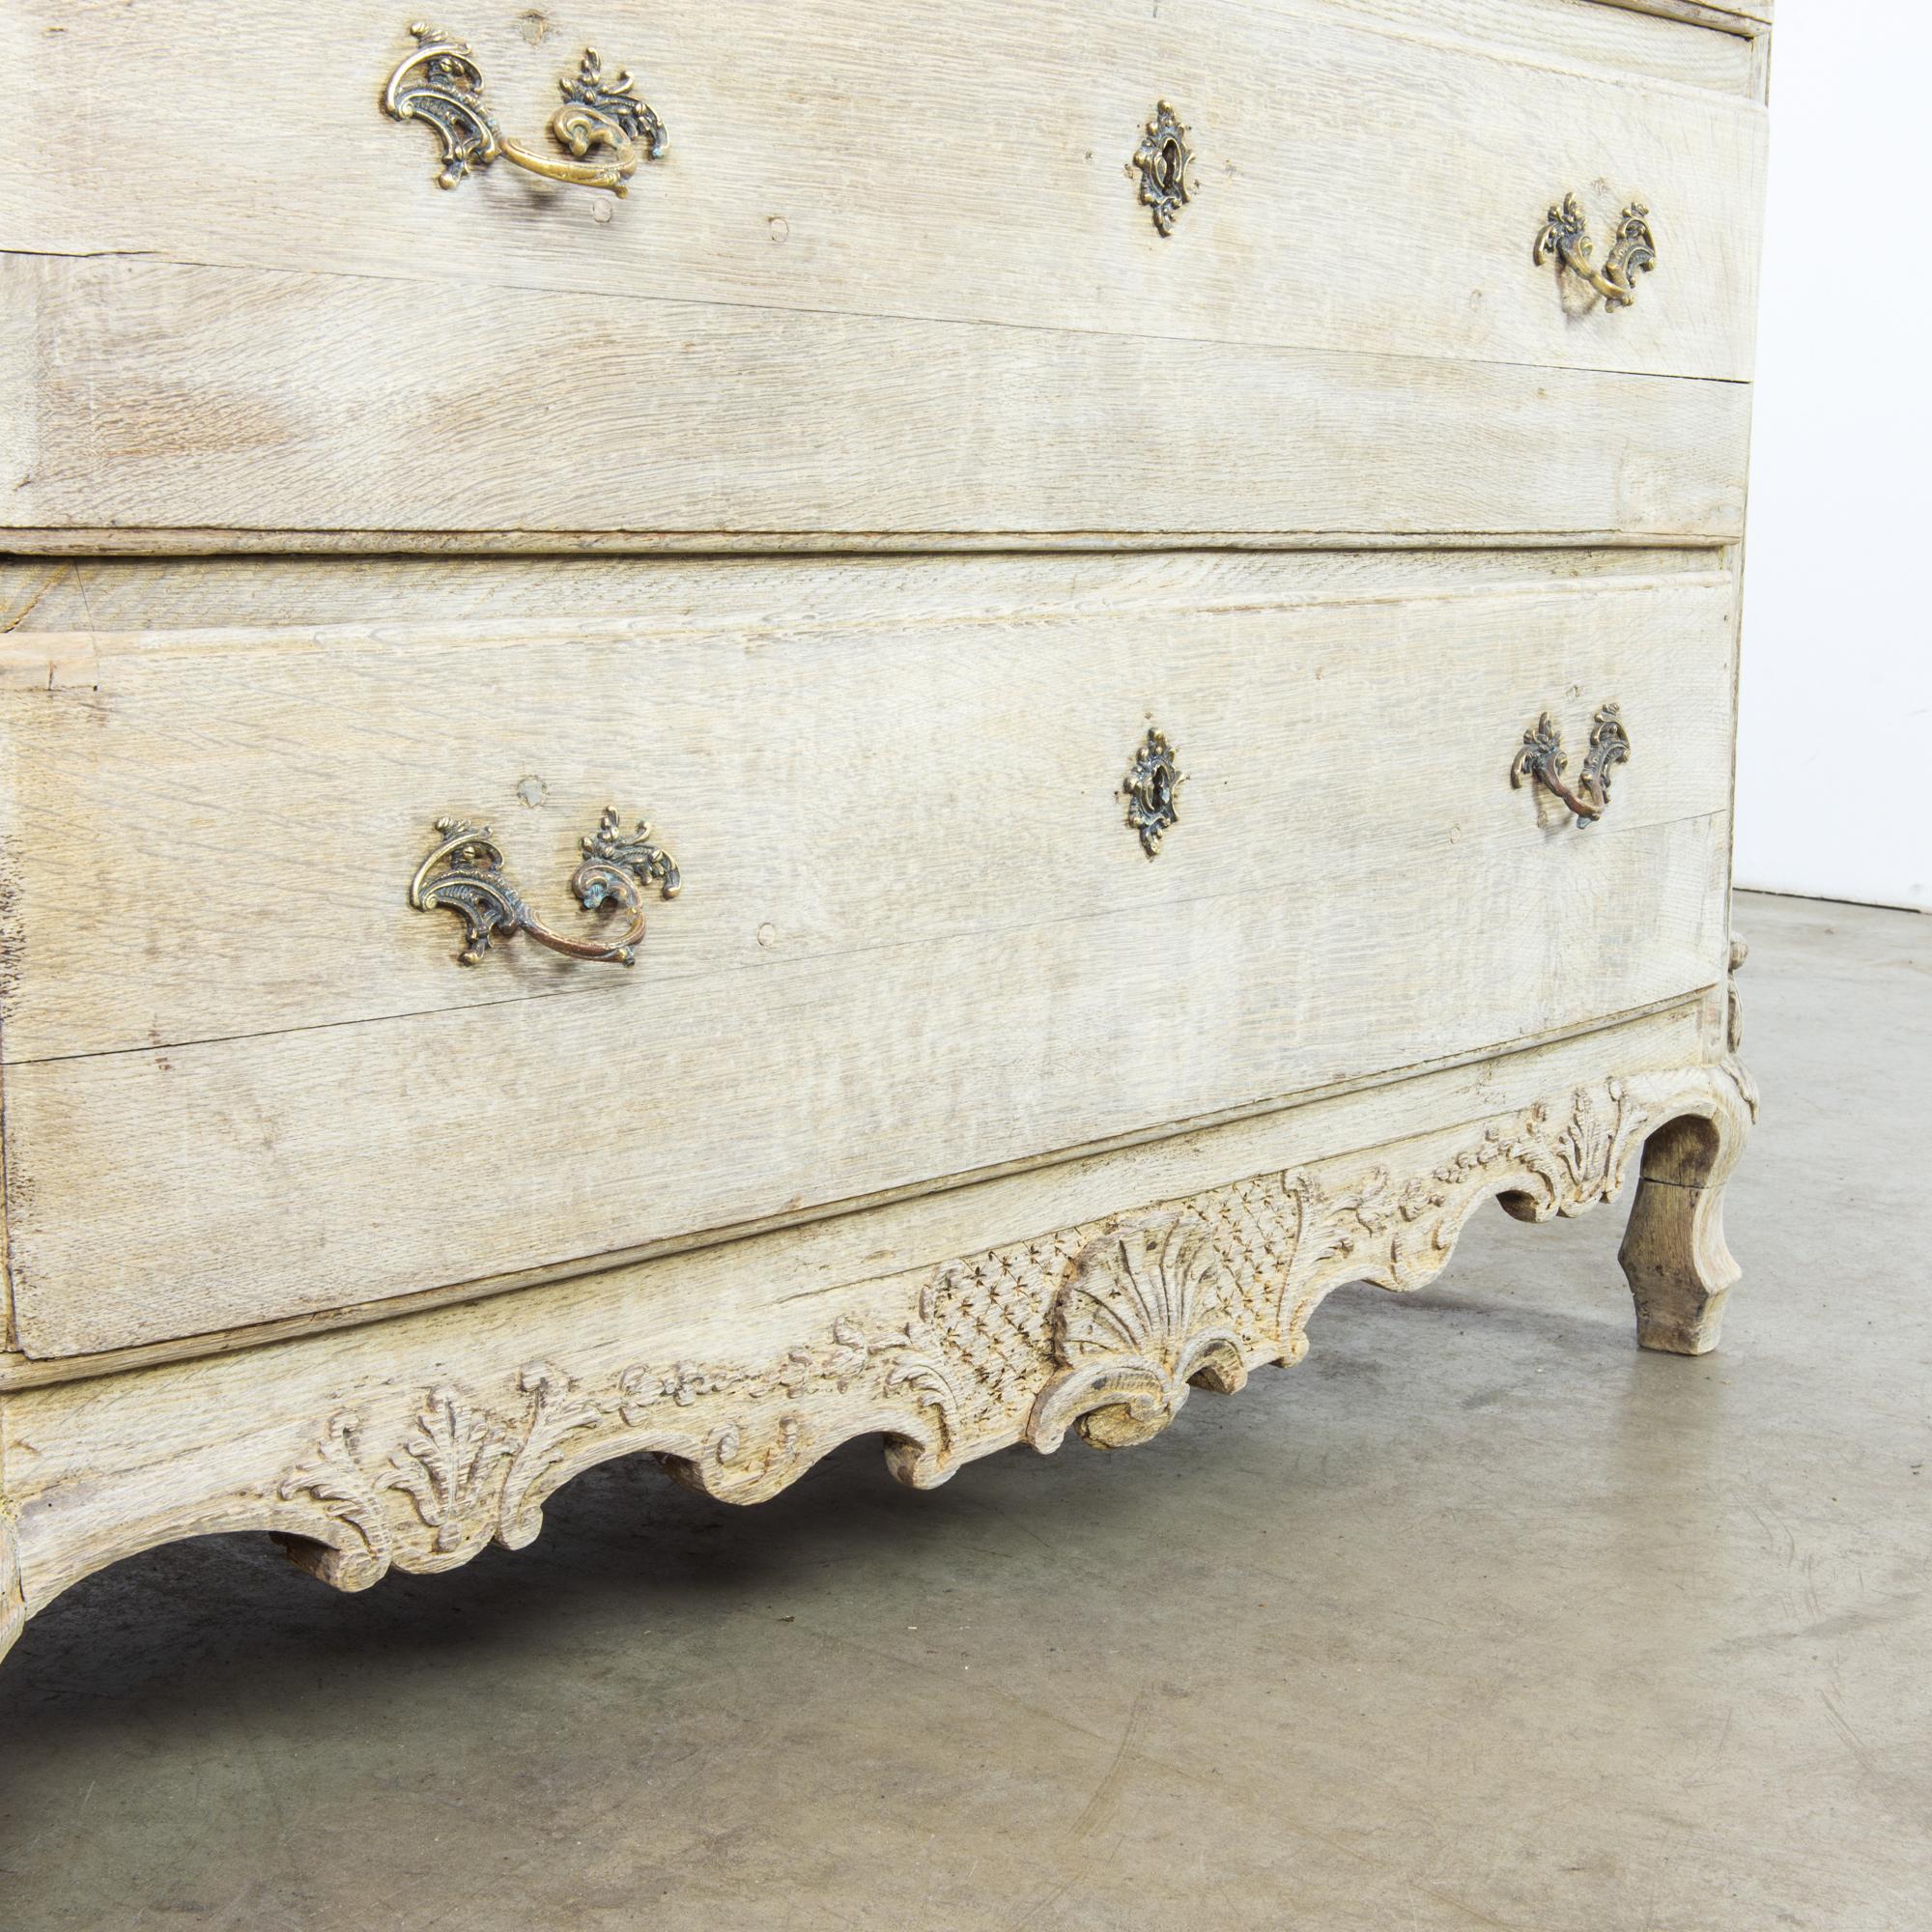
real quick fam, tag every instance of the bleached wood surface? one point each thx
(916, 937)
(890, 279)
(415, 1441)
(934, 1110)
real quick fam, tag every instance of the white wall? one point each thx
(1834, 762)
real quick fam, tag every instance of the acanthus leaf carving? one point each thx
(446, 1466)
(557, 1412)
(334, 1482)
(1104, 1327)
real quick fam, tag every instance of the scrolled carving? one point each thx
(1147, 1311)
(472, 1469)
(346, 1540)
(471, 1476)
(447, 1468)
(541, 1459)
(1104, 1327)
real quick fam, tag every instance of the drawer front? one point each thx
(893, 276)
(916, 938)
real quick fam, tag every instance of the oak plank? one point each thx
(168, 1193)
(120, 1462)
(1662, 43)
(185, 398)
(842, 762)
(944, 159)
(175, 593)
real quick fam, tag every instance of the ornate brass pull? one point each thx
(1540, 762)
(464, 875)
(1633, 250)
(441, 85)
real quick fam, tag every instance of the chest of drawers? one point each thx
(1068, 679)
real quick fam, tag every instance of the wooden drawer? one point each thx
(916, 939)
(889, 280)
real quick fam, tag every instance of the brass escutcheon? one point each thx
(1541, 759)
(464, 875)
(1165, 164)
(441, 85)
(1565, 236)
(1151, 782)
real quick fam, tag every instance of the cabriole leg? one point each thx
(1673, 1251)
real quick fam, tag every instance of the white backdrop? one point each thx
(1834, 766)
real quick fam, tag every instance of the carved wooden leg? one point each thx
(1673, 1251)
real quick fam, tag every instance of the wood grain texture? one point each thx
(1660, 44)
(826, 314)
(1674, 1254)
(934, 1111)
(941, 160)
(416, 1442)
(138, 594)
(976, 966)
(1749, 18)
(121, 543)
(185, 397)
(853, 1235)
(896, 772)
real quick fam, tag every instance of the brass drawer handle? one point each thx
(464, 875)
(1633, 252)
(1541, 759)
(441, 86)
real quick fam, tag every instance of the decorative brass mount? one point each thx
(1633, 249)
(1165, 164)
(464, 875)
(1153, 780)
(1541, 759)
(441, 85)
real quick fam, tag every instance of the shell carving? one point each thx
(1147, 1311)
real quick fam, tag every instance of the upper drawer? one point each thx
(916, 938)
(891, 279)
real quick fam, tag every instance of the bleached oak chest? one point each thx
(1071, 678)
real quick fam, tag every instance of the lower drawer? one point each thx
(916, 938)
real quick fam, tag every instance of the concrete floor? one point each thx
(1480, 1618)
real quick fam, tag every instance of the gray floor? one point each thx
(1479, 1618)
